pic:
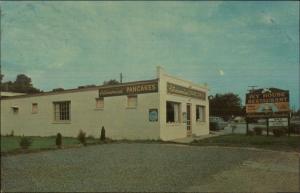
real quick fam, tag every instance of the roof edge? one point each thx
(79, 89)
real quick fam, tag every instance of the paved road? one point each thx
(151, 167)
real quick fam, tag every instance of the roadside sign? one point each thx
(277, 122)
(272, 102)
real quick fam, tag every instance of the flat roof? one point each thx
(80, 89)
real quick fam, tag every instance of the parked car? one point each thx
(239, 119)
(295, 124)
(217, 123)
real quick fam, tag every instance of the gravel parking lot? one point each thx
(151, 167)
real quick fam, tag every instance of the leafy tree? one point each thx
(111, 82)
(58, 89)
(226, 105)
(21, 84)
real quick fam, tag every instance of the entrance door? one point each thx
(188, 120)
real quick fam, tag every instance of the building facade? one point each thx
(163, 108)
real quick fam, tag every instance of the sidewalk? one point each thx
(192, 138)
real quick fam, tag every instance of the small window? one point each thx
(173, 112)
(132, 101)
(15, 110)
(62, 111)
(100, 103)
(34, 108)
(200, 113)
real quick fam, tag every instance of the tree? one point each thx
(111, 82)
(21, 84)
(226, 105)
(58, 89)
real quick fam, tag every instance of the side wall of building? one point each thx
(119, 120)
(170, 131)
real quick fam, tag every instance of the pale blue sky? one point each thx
(229, 45)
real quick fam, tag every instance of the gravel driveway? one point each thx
(151, 167)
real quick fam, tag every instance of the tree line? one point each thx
(226, 105)
(22, 84)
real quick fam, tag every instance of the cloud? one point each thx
(221, 72)
(268, 19)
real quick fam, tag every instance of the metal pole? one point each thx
(121, 77)
(267, 126)
(289, 126)
(247, 126)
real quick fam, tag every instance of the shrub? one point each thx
(12, 133)
(102, 137)
(213, 126)
(250, 133)
(295, 128)
(91, 137)
(58, 140)
(258, 130)
(278, 132)
(25, 142)
(81, 137)
(233, 128)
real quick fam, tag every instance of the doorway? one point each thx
(188, 120)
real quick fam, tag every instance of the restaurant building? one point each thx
(166, 108)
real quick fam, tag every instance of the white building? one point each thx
(10, 94)
(164, 108)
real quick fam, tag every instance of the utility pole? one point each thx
(121, 77)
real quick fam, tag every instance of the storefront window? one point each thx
(200, 113)
(173, 112)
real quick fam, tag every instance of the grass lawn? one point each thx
(9, 143)
(285, 143)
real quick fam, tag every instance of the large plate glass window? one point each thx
(200, 113)
(173, 112)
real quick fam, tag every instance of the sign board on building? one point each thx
(153, 115)
(184, 91)
(130, 89)
(270, 102)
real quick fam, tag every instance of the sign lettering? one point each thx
(137, 88)
(181, 90)
(267, 102)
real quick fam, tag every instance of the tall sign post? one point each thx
(271, 103)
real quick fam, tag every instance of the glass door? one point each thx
(188, 120)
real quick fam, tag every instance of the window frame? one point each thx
(179, 114)
(136, 104)
(64, 112)
(36, 109)
(96, 100)
(198, 114)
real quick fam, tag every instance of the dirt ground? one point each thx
(274, 172)
(151, 168)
